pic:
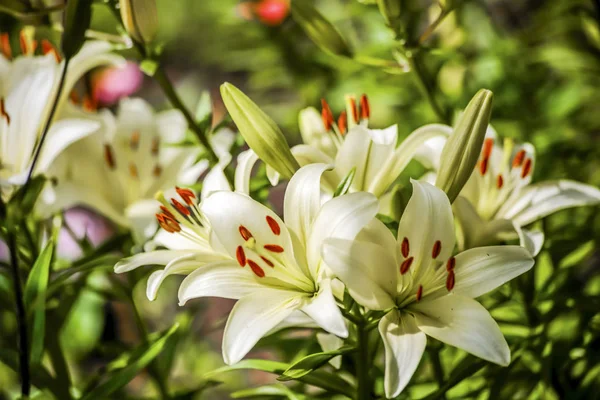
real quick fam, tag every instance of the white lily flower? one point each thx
(275, 268)
(349, 144)
(499, 199)
(427, 290)
(28, 85)
(118, 170)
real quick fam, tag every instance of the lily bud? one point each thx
(319, 29)
(462, 150)
(140, 18)
(77, 18)
(259, 130)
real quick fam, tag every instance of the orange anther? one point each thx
(275, 228)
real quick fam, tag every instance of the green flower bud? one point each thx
(260, 131)
(462, 150)
(77, 18)
(319, 29)
(140, 18)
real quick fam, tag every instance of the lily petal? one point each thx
(252, 317)
(430, 152)
(464, 323)
(157, 257)
(354, 153)
(532, 240)
(214, 181)
(366, 269)
(324, 310)
(329, 342)
(245, 163)
(404, 345)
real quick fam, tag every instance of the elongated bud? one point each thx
(259, 130)
(462, 150)
(319, 29)
(77, 17)
(390, 10)
(140, 18)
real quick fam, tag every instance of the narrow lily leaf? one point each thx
(308, 364)
(77, 19)
(122, 376)
(268, 390)
(35, 300)
(329, 382)
(319, 29)
(344, 186)
(22, 202)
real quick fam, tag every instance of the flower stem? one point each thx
(436, 364)
(363, 391)
(431, 28)
(416, 65)
(23, 343)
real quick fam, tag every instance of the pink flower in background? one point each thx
(82, 223)
(111, 84)
(268, 12)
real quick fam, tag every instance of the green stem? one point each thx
(416, 65)
(431, 28)
(363, 391)
(23, 343)
(436, 364)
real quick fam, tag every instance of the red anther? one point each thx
(5, 46)
(180, 207)
(499, 182)
(167, 212)
(23, 43)
(405, 247)
(89, 104)
(326, 115)
(155, 145)
(354, 108)
(419, 292)
(342, 122)
(258, 271)
(450, 280)
(240, 255)
(436, 250)
(518, 160)
(483, 165)
(157, 171)
(488, 145)
(365, 109)
(109, 156)
(246, 235)
(404, 267)
(268, 262)
(133, 171)
(451, 264)
(167, 223)
(47, 47)
(74, 97)
(186, 195)
(3, 111)
(273, 225)
(526, 168)
(134, 142)
(273, 248)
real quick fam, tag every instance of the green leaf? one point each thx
(35, 300)
(22, 202)
(308, 364)
(77, 19)
(578, 255)
(149, 67)
(268, 390)
(327, 381)
(344, 186)
(122, 376)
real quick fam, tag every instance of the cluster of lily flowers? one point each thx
(292, 270)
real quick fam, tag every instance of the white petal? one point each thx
(329, 342)
(380, 150)
(252, 317)
(324, 310)
(221, 142)
(272, 175)
(214, 181)
(376, 232)
(483, 269)
(243, 172)
(354, 153)
(404, 345)
(157, 257)
(464, 323)
(430, 152)
(142, 220)
(400, 159)
(542, 199)
(303, 199)
(297, 319)
(368, 271)
(532, 240)
(171, 126)
(224, 279)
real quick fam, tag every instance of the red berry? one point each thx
(272, 12)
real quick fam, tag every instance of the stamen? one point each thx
(47, 47)
(274, 248)
(240, 255)
(437, 248)
(134, 142)
(405, 247)
(518, 160)
(488, 145)
(23, 43)
(167, 223)
(451, 264)
(258, 271)
(365, 109)
(352, 107)
(419, 292)
(133, 171)
(326, 115)
(109, 156)
(180, 207)
(186, 195)
(167, 212)
(268, 262)
(342, 122)
(157, 171)
(155, 145)
(3, 111)
(245, 233)
(526, 168)
(89, 104)
(406, 265)
(483, 165)
(273, 225)
(74, 97)
(499, 182)
(450, 280)
(5, 45)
